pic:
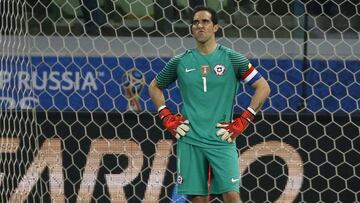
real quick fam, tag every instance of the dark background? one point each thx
(328, 145)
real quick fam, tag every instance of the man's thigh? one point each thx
(192, 170)
(225, 170)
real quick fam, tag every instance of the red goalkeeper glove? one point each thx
(230, 130)
(177, 125)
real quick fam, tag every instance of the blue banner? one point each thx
(121, 84)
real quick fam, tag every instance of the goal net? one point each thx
(77, 123)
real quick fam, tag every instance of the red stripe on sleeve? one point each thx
(247, 73)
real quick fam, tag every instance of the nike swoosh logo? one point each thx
(189, 70)
(234, 180)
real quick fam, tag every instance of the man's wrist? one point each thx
(252, 111)
(248, 114)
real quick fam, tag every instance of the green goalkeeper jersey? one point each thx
(208, 86)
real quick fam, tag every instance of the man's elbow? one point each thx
(266, 88)
(153, 87)
(263, 86)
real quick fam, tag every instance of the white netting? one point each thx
(17, 117)
(77, 122)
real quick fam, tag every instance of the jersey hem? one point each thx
(205, 145)
(186, 192)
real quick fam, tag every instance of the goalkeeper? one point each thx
(208, 77)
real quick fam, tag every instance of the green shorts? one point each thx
(193, 165)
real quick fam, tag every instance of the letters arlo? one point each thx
(50, 156)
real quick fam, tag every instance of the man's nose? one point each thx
(200, 25)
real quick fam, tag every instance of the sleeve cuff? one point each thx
(252, 111)
(161, 108)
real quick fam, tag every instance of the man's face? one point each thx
(202, 27)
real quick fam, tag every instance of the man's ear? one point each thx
(216, 28)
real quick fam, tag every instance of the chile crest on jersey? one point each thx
(219, 69)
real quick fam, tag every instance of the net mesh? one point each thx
(77, 123)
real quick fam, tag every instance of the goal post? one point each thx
(77, 122)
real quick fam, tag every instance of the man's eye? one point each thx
(203, 22)
(206, 22)
(195, 22)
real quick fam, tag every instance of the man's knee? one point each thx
(231, 197)
(198, 199)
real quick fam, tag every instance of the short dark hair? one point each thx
(214, 15)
